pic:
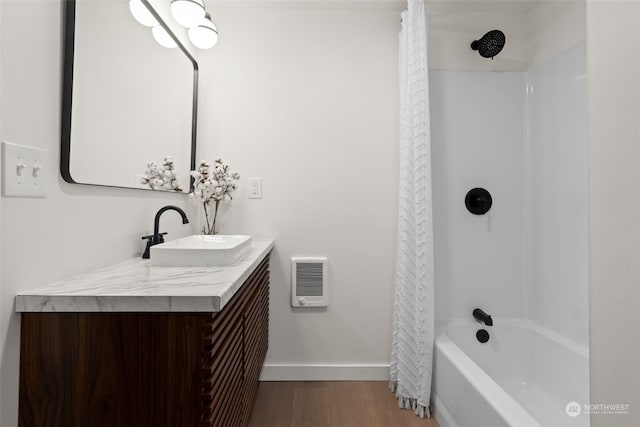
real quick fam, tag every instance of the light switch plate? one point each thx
(255, 188)
(23, 171)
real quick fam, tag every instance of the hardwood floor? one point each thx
(331, 404)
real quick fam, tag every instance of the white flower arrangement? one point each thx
(161, 178)
(213, 184)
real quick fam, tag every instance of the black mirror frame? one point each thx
(69, 21)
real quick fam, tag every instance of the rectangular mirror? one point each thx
(127, 101)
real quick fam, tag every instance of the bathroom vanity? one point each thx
(135, 345)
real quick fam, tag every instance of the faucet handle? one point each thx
(152, 240)
(153, 237)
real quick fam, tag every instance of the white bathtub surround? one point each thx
(477, 129)
(522, 135)
(523, 377)
(412, 346)
(135, 285)
(527, 259)
(556, 268)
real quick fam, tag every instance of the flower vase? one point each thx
(210, 216)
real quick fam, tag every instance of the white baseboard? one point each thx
(316, 372)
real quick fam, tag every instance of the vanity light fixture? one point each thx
(205, 34)
(188, 13)
(162, 37)
(142, 14)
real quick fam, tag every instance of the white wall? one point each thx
(613, 66)
(553, 26)
(556, 290)
(477, 132)
(74, 229)
(306, 97)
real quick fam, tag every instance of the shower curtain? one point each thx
(413, 320)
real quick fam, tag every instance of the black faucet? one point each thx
(157, 237)
(483, 317)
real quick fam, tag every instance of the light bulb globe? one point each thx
(162, 37)
(205, 34)
(142, 14)
(188, 13)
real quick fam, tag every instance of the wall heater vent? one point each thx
(309, 282)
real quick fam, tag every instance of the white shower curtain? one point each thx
(412, 348)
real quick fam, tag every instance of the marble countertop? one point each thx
(136, 286)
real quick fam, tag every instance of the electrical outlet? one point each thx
(255, 188)
(23, 171)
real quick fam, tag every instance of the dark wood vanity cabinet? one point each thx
(146, 369)
(235, 345)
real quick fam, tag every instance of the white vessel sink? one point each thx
(201, 251)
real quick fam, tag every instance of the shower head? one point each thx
(490, 44)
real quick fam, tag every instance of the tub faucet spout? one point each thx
(483, 317)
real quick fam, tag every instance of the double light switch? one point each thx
(22, 171)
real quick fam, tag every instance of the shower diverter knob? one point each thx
(478, 201)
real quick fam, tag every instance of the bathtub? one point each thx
(524, 376)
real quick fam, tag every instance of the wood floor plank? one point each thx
(273, 406)
(384, 411)
(331, 404)
(347, 404)
(311, 404)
